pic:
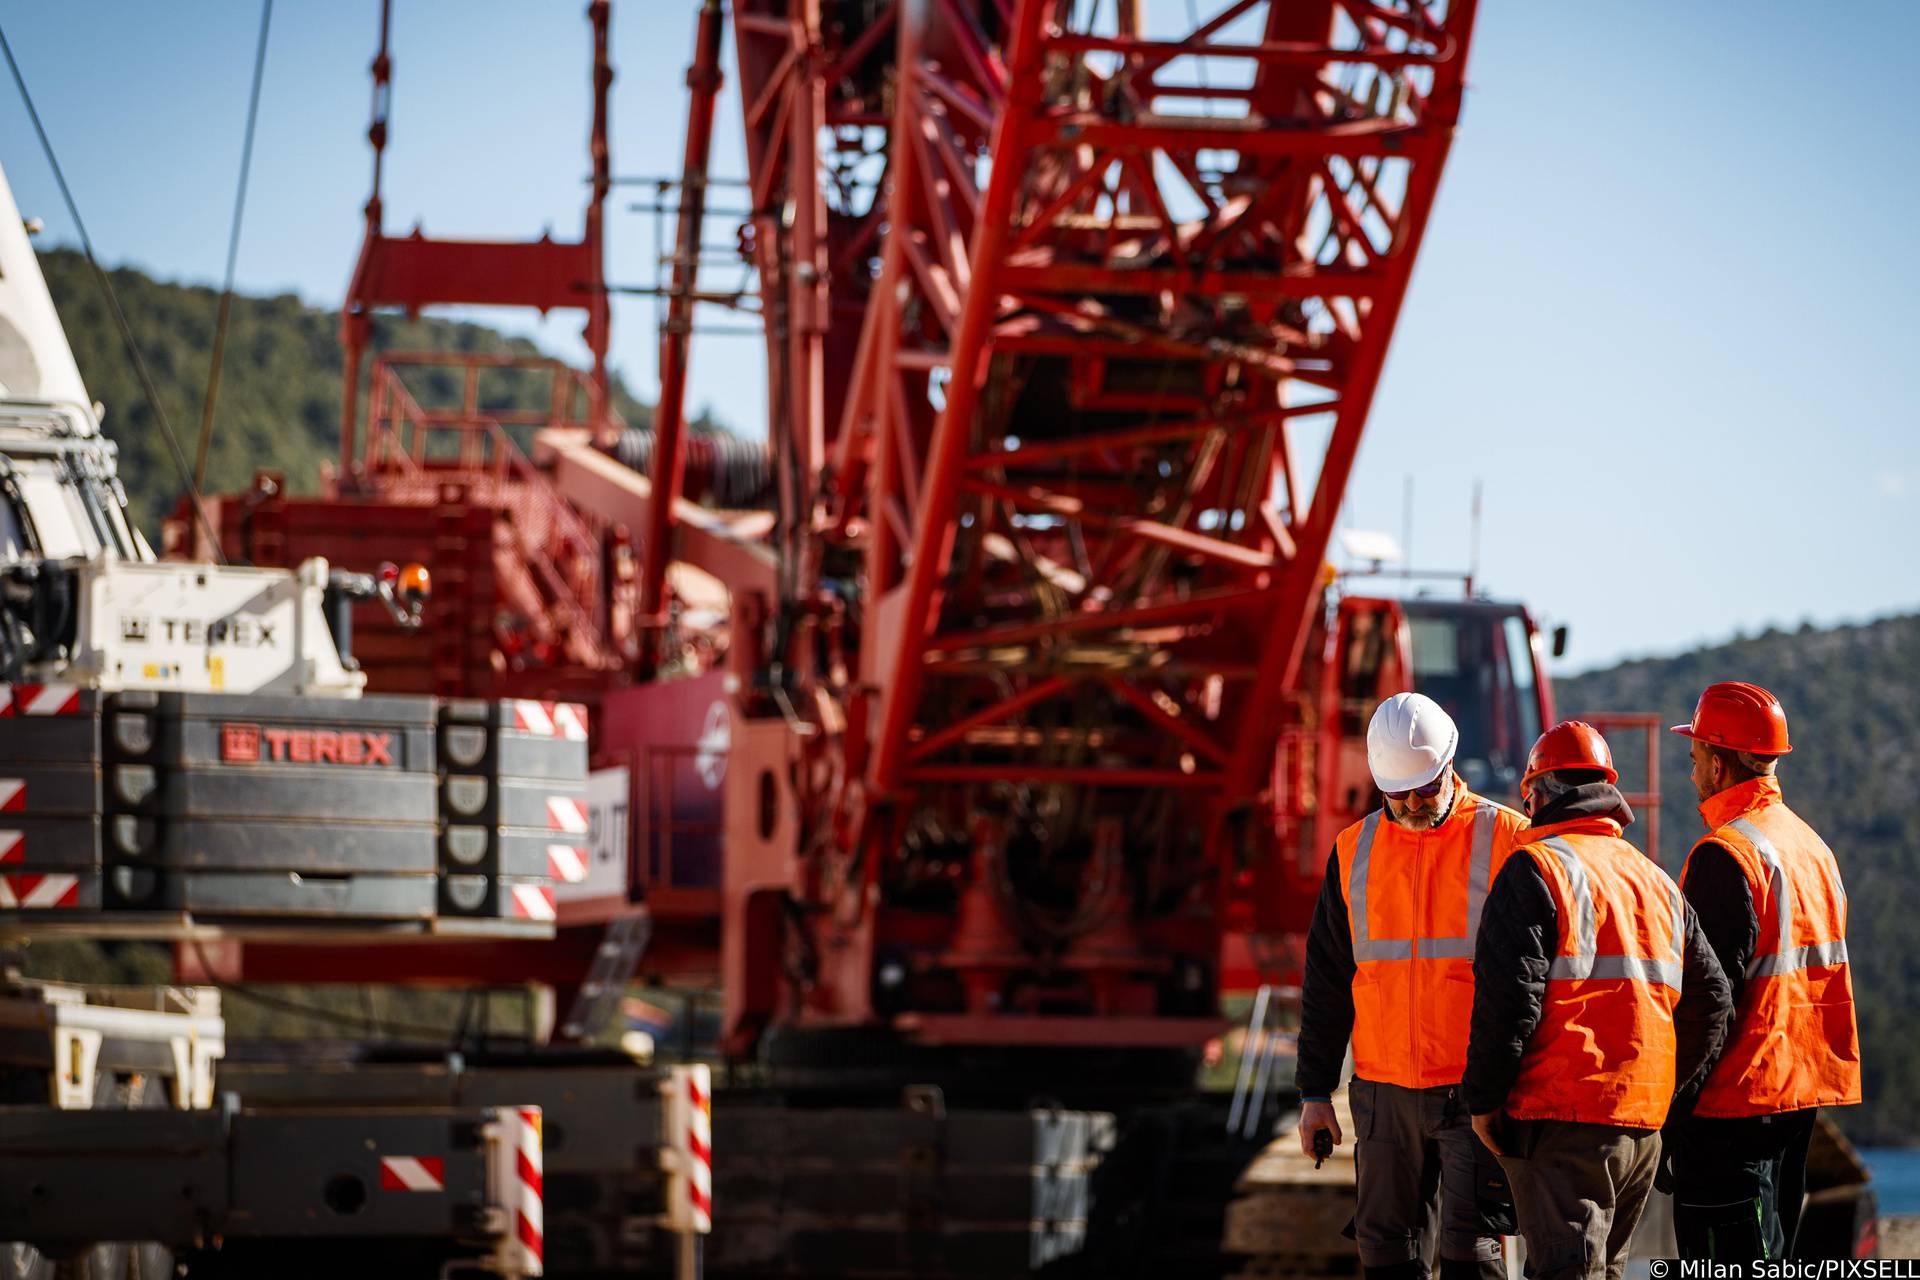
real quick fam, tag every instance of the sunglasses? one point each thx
(1429, 792)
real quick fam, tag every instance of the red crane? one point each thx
(1073, 313)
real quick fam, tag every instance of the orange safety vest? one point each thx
(1413, 902)
(1794, 1042)
(1604, 1050)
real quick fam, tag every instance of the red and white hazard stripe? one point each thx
(700, 1149)
(529, 1214)
(413, 1173)
(13, 846)
(567, 814)
(13, 795)
(565, 863)
(565, 720)
(533, 902)
(37, 891)
(39, 699)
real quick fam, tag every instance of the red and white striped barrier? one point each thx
(567, 720)
(13, 795)
(413, 1173)
(39, 699)
(32, 891)
(689, 1159)
(13, 846)
(529, 1214)
(567, 814)
(700, 1148)
(514, 1183)
(533, 902)
(565, 863)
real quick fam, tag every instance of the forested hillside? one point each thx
(1852, 696)
(279, 402)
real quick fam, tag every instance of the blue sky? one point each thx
(1663, 312)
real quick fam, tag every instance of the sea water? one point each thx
(1896, 1178)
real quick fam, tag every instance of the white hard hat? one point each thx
(1409, 742)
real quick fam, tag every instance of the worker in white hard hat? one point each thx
(1390, 966)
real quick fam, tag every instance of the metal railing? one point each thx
(414, 452)
(1646, 801)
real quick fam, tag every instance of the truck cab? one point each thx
(83, 601)
(1481, 659)
(60, 497)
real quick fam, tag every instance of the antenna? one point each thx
(1473, 552)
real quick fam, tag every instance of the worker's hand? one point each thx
(1663, 1173)
(1483, 1129)
(1315, 1116)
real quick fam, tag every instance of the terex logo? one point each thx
(251, 744)
(240, 742)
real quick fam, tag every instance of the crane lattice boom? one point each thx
(1074, 314)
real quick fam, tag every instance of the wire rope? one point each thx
(147, 387)
(233, 253)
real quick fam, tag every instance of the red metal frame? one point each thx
(1614, 725)
(549, 562)
(1072, 333)
(411, 272)
(1072, 428)
(670, 414)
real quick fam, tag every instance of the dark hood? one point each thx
(1589, 800)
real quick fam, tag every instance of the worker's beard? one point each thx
(1428, 818)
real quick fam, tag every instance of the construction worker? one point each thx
(1595, 996)
(1770, 899)
(1389, 964)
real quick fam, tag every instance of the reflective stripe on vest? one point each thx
(1479, 872)
(1785, 959)
(1586, 962)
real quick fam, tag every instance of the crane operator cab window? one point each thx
(14, 543)
(1366, 645)
(63, 503)
(1477, 661)
(59, 518)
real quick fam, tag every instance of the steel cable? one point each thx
(147, 387)
(233, 253)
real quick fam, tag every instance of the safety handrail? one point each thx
(413, 450)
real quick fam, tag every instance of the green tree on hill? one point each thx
(279, 403)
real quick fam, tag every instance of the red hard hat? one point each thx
(1572, 744)
(1740, 717)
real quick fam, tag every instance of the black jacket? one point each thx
(1717, 889)
(1519, 935)
(1326, 991)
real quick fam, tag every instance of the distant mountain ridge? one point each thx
(279, 402)
(1852, 696)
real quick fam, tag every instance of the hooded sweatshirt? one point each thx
(1519, 934)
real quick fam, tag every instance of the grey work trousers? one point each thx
(1419, 1166)
(1578, 1191)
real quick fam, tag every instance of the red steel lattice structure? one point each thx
(1074, 316)
(416, 271)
